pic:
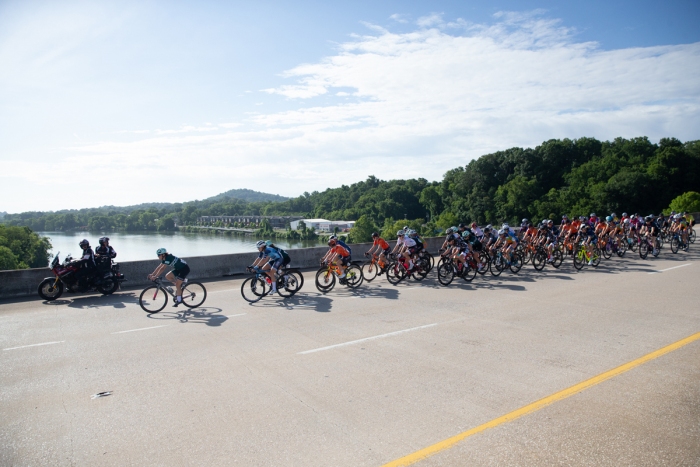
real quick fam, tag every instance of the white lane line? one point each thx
(365, 339)
(141, 329)
(34, 345)
(675, 267)
(239, 314)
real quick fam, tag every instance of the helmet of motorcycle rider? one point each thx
(161, 251)
(103, 240)
(84, 244)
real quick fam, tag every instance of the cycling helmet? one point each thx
(375, 234)
(454, 228)
(525, 221)
(550, 221)
(648, 219)
(592, 214)
(449, 230)
(400, 233)
(161, 251)
(461, 226)
(609, 218)
(564, 216)
(624, 214)
(405, 227)
(331, 241)
(412, 233)
(84, 243)
(466, 233)
(261, 243)
(102, 240)
(333, 237)
(474, 224)
(627, 221)
(501, 232)
(673, 213)
(613, 215)
(505, 226)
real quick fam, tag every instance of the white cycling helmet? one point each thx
(260, 243)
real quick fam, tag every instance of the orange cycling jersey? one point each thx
(341, 251)
(575, 226)
(382, 243)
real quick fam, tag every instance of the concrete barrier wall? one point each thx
(24, 282)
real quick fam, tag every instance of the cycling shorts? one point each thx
(276, 263)
(182, 272)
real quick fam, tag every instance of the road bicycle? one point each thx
(499, 263)
(289, 282)
(326, 276)
(154, 297)
(397, 270)
(645, 247)
(611, 246)
(677, 243)
(542, 257)
(582, 257)
(374, 267)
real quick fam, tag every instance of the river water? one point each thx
(138, 246)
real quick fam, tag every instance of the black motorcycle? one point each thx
(104, 278)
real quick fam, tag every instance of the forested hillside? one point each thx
(559, 176)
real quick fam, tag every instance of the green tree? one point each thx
(687, 202)
(8, 260)
(362, 230)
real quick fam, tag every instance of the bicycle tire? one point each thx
(287, 284)
(621, 249)
(607, 251)
(675, 244)
(395, 273)
(195, 292)
(353, 276)
(156, 302)
(557, 258)
(596, 257)
(370, 270)
(496, 266)
(253, 289)
(325, 280)
(539, 260)
(579, 258)
(483, 262)
(299, 276)
(644, 250)
(691, 236)
(468, 273)
(445, 272)
(516, 263)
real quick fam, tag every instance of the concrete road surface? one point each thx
(365, 377)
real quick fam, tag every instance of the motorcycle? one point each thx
(106, 278)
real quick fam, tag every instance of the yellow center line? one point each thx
(533, 407)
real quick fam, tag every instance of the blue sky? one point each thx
(287, 97)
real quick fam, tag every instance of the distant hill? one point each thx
(250, 196)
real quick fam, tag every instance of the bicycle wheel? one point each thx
(539, 260)
(325, 280)
(516, 263)
(253, 289)
(193, 294)
(370, 270)
(153, 299)
(298, 276)
(395, 273)
(675, 243)
(607, 250)
(497, 265)
(691, 236)
(353, 276)
(445, 272)
(287, 285)
(621, 248)
(469, 272)
(483, 266)
(557, 257)
(595, 257)
(579, 258)
(643, 250)
(524, 251)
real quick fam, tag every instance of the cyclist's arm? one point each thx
(159, 270)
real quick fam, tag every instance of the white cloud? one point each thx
(399, 18)
(418, 104)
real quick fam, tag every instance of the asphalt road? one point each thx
(363, 378)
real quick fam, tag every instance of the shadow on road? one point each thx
(203, 315)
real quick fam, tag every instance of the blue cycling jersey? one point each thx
(269, 253)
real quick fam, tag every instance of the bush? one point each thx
(688, 202)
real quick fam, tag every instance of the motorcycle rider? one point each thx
(86, 263)
(105, 249)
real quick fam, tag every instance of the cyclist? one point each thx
(269, 260)
(177, 275)
(477, 231)
(382, 247)
(338, 255)
(650, 229)
(406, 247)
(586, 234)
